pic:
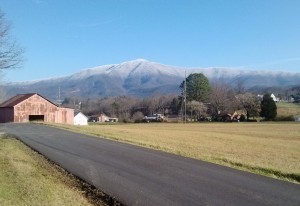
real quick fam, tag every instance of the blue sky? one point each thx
(61, 37)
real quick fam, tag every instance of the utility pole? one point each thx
(59, 102)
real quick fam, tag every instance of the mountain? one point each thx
(143, 78)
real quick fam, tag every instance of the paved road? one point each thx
(139, 176)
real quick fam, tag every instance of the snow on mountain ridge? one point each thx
(144, 78)
(144, 66)
(125, 68)
(150, 68)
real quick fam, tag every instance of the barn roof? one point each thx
(20, 98)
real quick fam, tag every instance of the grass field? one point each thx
(287, 109)
(266, 148)
(26, 178)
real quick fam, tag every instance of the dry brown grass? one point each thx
(267, 148)
(26, 178)
(287, 109)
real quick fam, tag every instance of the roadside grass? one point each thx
(270, 149)
(27, 178)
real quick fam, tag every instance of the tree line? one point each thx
(200, 100)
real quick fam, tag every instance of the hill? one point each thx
(143, 78)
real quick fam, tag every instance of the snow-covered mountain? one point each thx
(142, 78)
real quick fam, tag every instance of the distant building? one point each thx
(260, 97)
(80, 119)
(103, 118)
(112, 119)
(34, 107)
(276, 99)
(93, 119)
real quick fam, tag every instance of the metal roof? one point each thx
(20, 98)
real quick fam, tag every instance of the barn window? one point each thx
(36, 118)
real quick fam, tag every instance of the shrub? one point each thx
(242, 118)
(288, 118)
(268, 108)
(138, 117)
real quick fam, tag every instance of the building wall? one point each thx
(80, 119)
(7, 115)
(65, 115)
(36, 105)
(103, 118)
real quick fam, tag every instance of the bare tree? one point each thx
(10, 52)
(250, 104)
(137, 116)
(222, 99)
(196, 109)
(126, 108)
(123, 106)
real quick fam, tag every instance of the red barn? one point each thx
(34, 107)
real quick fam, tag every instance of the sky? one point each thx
(61, 37)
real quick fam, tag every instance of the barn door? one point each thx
(40, 118)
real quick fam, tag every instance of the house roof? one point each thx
(78, 112)
(20, 98)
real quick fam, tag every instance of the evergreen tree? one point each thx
(268, 108)
(197, 87)
(175, 106)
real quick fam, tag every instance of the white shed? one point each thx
(80, 119)
(276, 99)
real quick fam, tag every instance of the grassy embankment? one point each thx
(270, 149)
(27, 178)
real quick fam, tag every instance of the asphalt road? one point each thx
(139, 176)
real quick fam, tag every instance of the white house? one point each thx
(80, 119)
(276, 99)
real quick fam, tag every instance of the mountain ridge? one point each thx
(142, 78)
